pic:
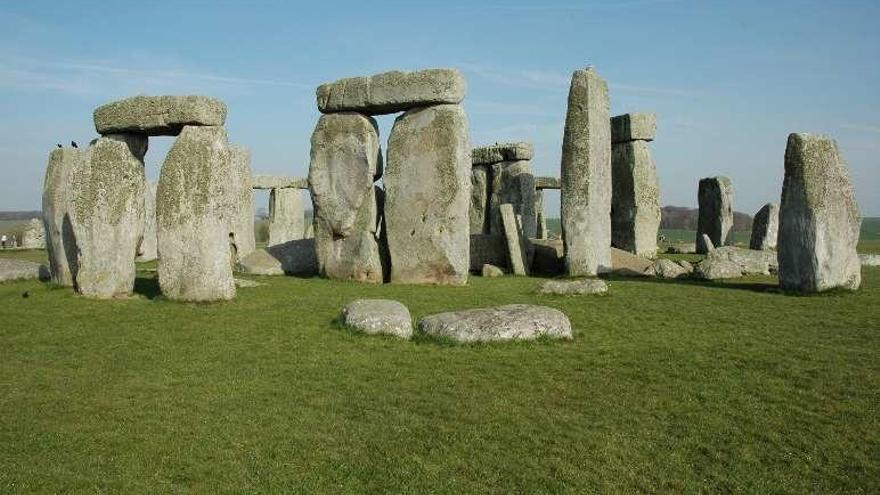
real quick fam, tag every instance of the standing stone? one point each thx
(586, 176)
(479, 211)
(765, 227)
(819, 218)
(57, 194)
(515, 242)
(195, 252)
(393, 91)
(541, 220)
(286, 216)
(148, 250)
(107, 214)
(346, 160)
(514, 184)
(715, 218)
(428, 189)
(34, 235)
(635, 204)
(240, 205)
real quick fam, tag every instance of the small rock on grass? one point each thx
(573, 287)
(378, 316)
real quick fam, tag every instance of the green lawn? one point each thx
(675, 387)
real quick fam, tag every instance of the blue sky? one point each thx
(728, 80)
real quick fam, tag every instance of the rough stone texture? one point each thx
(479, 210)
(239, 206)
(34, 235)
(715, 269)
(716, 212)
(286, 216)
(664, 268)
(870, 259)
(627, 264)
(510, 322)
(751, 262)
(586, 176)
(819, 218)
(765, 227)
(378, 316)
(547, 183)
(516, 249)
(573, 287)
(506, 152)
(159, 115)
(491, 271)
(686, 265)
(148, 249)
(635, 203)
(513, 183)
(13, 269)
(195, 249)
(278, 182)
(346, 159)
(540, 220)
(107, 217)
(291, 258)
(57, 195)
(682, 248)
(547, 257)
(633, 127)
(705, 244)
(391, 92)
(488, 249)
(428, 189)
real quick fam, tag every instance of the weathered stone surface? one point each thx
(34, 235)
(586, 176)
(635, 203)
(148, 249)
(107, 217)
(57, 197)
(239, 205)
(573, 287)
(627, 264)
(751, 262)
(428, 189)
(346, 159)
(286, 216)
(686, 265)
(765, 227)
(491, 271)
(516, 249)
(291, 258)
(705, 244)
(479, 211)
(13, 269)
(682, 248)
(716, 212)
(159, 115)
(279, 182)
(541, 220)
(488, 249)
(505, 152)
(664, 268)
(869, 259)
(510, 322)
(513, 183)
(391, 92)
(819, 218)
(715, 269)
(378, 316)
(548, 257)
(195, 249)
(633, 127)
(547, 183)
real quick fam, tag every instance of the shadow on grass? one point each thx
(762, 287)
(147, 287)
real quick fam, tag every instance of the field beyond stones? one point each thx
(667, 386)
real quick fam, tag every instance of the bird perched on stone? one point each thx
(59, 145)
(73, 143)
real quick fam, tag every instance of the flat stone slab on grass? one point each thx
(378, 316)
(665, 268)
(11, 269)
(509, 322)
(159, 115)
(715, 269)
(750, 261)
(573, 287)
(504, 152)
(391, 92)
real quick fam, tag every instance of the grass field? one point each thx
(675, 387)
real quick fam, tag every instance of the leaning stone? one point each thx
(378, 316)
(428, 188)
(870, 259)
(513, 183)
(635, 203)
(515, 241)
(665, 268)
(488, 249)
(633, 127)
(506, 152)
(34, 235)
(195, 250)
(704, 244)
(159, 115)
(278, 182)
(391, 92)
(547, 183)
(286, 216)
(715, 269)
(239, 205)
(586, 176)
(57, 196)
(107, 216)
(573, 287)
(491, 271)
(715, 217)
(819, 220)
(346, 159)
(291, 258)
(13, 269)
(750, 261)
(148, 250)
(510, 322)
(765, 227)
(479, 210)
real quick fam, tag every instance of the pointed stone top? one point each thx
(159, 115)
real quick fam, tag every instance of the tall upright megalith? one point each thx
(765, 227)
(286, 215)
(428, 190)
(586, 176)
(346, 160)
(480, 190)
(148, 250)
(107, 214)
(240, 202)
(715, 218)
(195, 238)
(60, 242)
(635, 200)
(819, 218)
(510, 180)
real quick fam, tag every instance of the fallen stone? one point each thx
(506, 152)
(573, 287)
(586, 176)
(513, 183)
(715, 217)
(751, 262)
(12, 269)
(633, 127)
(148, 249)
(239, 205)
(277, 182)
(286, 216)
(547, 183)
(635, 203)
(291, 258)
(665, 268)
(819, 220)
(765, 227)
(427, 187)
(686, 265)
(488, 249)
(715, 269)
(57, 196)
(510, 322)
(491, 271)
(869, 259)
(34, 235)
(391, 92)
(627, 264)
(479, 210)
(516, 249)
(682, 248)
(378, 316)
(159, 115)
